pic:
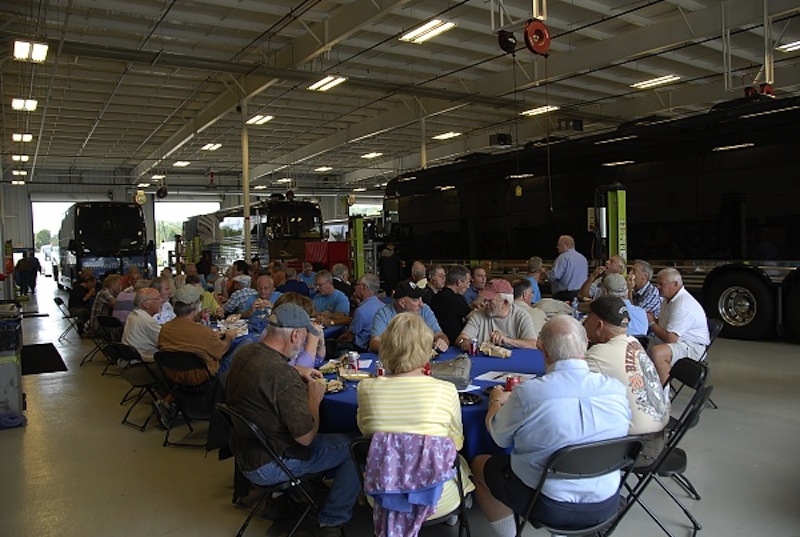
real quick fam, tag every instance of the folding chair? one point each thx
(190, 401)
(141, 378)
(672, 460)
(248, 432)
(359, 451)
(110, 332)
(715, 326)
(71, 319)
(581, 461)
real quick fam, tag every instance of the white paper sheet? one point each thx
(470, 388)
(501, 376)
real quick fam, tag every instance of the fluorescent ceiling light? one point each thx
(371, 155)
(521, 176)
(446, 135)
(730, 147)
(19, 172)
(327, 83)
(653, 82)
(427, 31)
(618, 163)
(29, 105)
(181, 163)
(28, 51)
(17, 182)
(446, 187)
(20, 158)
(360, 189)
(323, 169)
(768, 112)
(539, 110)
(612, 140)
(259, 119)
(158, 177)
(381, 185)
(24, 138)
(410, 178)
(142, 185)
(790, 47)
(210, 147)
(284, 180)
(260, 187)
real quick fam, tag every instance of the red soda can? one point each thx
(379, 370)
(473, 347)
(427, 369)
(511, 381)
(352, 359)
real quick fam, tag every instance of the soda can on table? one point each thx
(352, 359)
(379, 370)
(511, 381)
(473, 347)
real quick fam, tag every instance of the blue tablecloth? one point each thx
(338, 410)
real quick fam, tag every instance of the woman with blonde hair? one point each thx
(406, 400)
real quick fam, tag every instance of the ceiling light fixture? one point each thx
(330, 81)
(790, 47)
(427, 31)
(20, 158)
(142, 185)
(30, 52)
(259, 119)
(371, 155)
(653, 82)
(284, 180)
(540, 110)
(28, 105)
(446, 187)
(17, 182)
(181, 163)
(158, 177)
(618, 163)
(360, 189)
(446, 135)
(730, 147)
(323, 169)
(210, 147)
(19, 172)
(260, 187)
(613, 140)
(24, 138)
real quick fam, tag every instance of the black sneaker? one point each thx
(165, 412)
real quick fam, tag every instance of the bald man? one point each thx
(569, 270)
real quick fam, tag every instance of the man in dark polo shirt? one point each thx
(449, 306)
(284, 401)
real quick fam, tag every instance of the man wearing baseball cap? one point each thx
(243, 297)
(500, 322)
(622, 357)
(284, 401)
(407, 297)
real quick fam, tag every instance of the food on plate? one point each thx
(232, 318)
(353, 375)
(490, 349)
(334, 385)
(329, 367)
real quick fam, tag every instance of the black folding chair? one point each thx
(672, 460)
(142, 379)
(110, 332)
(248, 432)
(190, 401)
(581, 461)
(71, 319)
(715, 327)
(359, 452)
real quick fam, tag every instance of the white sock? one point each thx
(505, 527)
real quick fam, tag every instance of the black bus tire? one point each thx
(793, 310)
(744, 303)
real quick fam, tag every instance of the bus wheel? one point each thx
(793, 310)
(744, 303)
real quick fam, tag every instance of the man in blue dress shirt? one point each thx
(569, 270)
(568, 405)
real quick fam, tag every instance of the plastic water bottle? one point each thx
(575, 308)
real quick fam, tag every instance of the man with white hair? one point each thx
(592, 287)
(568, 405)
(615, 285)
(640, 290)
(681, 330)
(141, 329)
(569, 270)
(241, 300)
(500, 322)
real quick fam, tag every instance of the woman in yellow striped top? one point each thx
(408, 401)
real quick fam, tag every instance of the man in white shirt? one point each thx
(681, 330)
(141, 329)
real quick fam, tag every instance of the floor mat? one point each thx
(41, 358)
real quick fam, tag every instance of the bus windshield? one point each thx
(110, 228)
(294, 221)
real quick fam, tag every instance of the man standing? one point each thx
(568, 405)
(622, 357)
(449, 306)
(500, 322)
(682, 329)
(478, 283)
(365, 290)
(407, 297)
(641, 292)
(436, 282)
(569, 270)
(141, 329)
(284, 402)
(389, 265)
(592, 287)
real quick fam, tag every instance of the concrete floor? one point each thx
(74, 470)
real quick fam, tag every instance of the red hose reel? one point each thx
(537, 37)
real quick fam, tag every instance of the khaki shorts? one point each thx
(686, 349)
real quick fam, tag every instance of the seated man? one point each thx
(620, 356)
(592, 287)
(141, 329)
(478, 283)
(243, 296)
(293, 284)
(568, 405)
(357, 336)
(191, 270)
(266, 296)
(208, 301)
(534, 275)
(500, 322)
(449, 306)
(131, 277)
(523, 291)
(331, 305)
(640, 290)
(407, 297)
(340, 279)
(308, 276)
(615, 285)
(164, 287)
(123, 305)
(436, 282)
(81, 298)
(682, 328)
(104, 302)
(284, 402)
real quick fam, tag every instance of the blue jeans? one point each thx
(328, 452)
